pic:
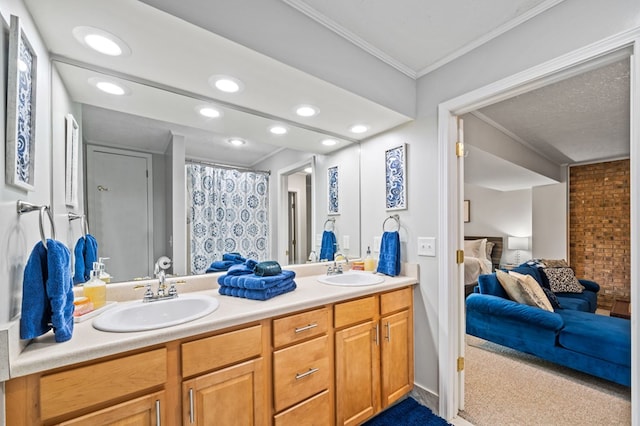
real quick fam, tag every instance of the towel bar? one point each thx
(394, 217)
(26, 207)
(85, 223)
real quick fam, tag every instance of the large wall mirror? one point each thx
(137, 151)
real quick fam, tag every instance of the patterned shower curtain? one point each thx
(228, 212)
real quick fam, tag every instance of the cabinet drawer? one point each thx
(299, 327)
(300, 371)
(314, 411)
(218, 351)
(355, 311)
(396, 300)
(83, 387)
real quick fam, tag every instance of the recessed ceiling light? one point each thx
(329, 142)
(278, 130)
(109, 87)
(359, 128)
(101, 41)
(208, 111)
(225, 83)
(236, 141)
(306, 110)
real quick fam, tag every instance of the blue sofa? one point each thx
(573, 335)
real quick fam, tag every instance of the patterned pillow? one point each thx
(562, 280)
(534, 294)
(552, 298)
(555, 263)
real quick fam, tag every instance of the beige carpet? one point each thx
(507, 387)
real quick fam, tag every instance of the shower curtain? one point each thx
(228, 212)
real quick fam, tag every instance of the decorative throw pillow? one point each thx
(552, 298)
(534, 294)
(511, 287)
(555, 263)
(562, 280)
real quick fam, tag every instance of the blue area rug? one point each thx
(407, 413)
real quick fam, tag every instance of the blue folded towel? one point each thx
(243, 268)
(389, 261)
(254, 282)
(283, 287)
(234, 257)
(47, 292)
(85, 253)
(328, 245)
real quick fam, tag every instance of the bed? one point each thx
(482, 256)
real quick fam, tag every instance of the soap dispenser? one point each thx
(369, 262)
(102, 273)
(96, 289)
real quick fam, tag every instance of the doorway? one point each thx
(451, 198)
(119, 209)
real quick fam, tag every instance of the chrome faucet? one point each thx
(336, 269)
(162, 264)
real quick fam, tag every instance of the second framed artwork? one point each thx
(396, 178)
(71, 163)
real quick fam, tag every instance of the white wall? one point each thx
(501, 214)
(550, 217)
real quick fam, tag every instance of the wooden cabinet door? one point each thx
(232, 396)
(357, 373)
(396, 346)
(144, 411)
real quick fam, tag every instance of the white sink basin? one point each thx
(352, 279)
(139, 316)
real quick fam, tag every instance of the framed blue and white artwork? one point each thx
(396, 178)
(21, 109)
(333, 186)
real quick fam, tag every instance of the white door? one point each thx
(119, 202)
(460, 281)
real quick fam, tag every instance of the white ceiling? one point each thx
(584, 118)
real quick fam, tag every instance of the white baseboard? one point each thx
(425, 397)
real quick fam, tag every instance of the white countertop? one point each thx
(88, 343)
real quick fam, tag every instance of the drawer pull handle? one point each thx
(306, 373)
(305, 328)
(191, 407)
(158, 417)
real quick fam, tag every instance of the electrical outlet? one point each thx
(426, 246)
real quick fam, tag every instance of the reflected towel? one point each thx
(328, 246)
(85, 253)
(243, 268)
(389, 261)
(47, 292)
(283, 287)
(234, 257)
(228, 261)
(254, 282)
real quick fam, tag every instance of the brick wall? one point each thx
(599, 227)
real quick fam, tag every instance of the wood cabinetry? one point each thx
(303, 368)
(336, 364)
(374, 354)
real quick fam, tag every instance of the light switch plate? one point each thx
(345, 242)
(377, 241)
(426, 246)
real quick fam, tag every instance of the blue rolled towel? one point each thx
(220, 266)
(243, 268)
(389, 261)
(47, 292)
(283, 287)
(85, 253)
(328, 245)
(254, 282)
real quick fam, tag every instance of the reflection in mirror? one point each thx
(136, 148)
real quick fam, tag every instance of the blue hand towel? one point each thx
(85, 253)
(47, 293)
(284, 287)
(328, 245)
(389, 261)
(254, 282)
(243, 268)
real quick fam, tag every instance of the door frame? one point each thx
(451, 328)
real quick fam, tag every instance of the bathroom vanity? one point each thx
(321, 355)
